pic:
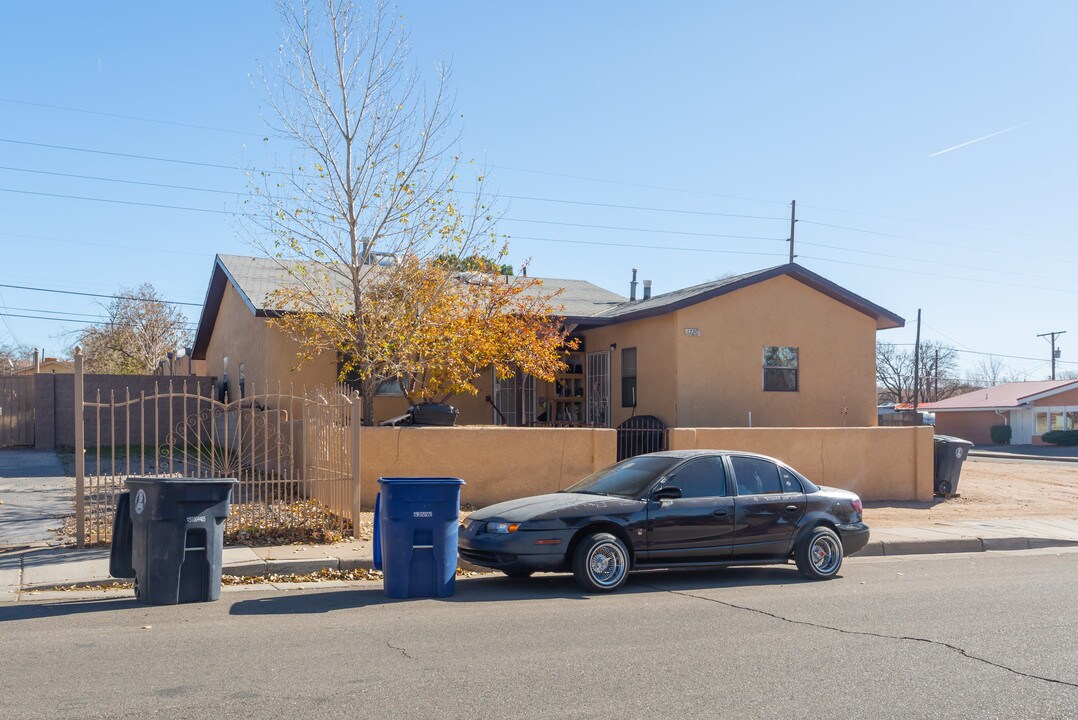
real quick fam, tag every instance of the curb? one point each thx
(893, 548)
(1014, 456)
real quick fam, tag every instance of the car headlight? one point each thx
(502, 528)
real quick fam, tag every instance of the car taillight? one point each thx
(856, 502)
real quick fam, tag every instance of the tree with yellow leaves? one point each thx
(373, 196)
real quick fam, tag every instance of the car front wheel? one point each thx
(819, 554)
(601, 563)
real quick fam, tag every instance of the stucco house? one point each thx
(1030, 408)
(776, 347)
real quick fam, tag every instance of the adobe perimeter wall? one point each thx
(497, 463)
(876, 463)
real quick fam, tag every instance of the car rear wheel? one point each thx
(518, 574)
(601, 563)
(819, 554)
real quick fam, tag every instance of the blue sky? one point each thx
(686, 114)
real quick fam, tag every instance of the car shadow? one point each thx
(497, 588)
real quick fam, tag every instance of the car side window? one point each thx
(790, 483)
(755, 476)
(704, 477)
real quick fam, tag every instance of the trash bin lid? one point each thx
(420, 481)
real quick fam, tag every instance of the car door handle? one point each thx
(719, 513)
(791, 508)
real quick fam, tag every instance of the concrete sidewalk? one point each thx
(26, 571)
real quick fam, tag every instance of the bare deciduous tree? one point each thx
(895, 373)
(991, 371)
(13, 357)
(373, 180)
(141, 329)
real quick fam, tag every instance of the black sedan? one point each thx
(693, 508)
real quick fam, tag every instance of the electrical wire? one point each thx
(75, 320)
(118, 202)
(643, 247)
(130, 117)
(97, 295)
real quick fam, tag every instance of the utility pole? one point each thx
(793, 220)
(1055, 353)
(917, 363)
(936, 378)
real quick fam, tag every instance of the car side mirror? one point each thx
(667, 493)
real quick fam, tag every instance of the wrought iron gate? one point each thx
(292, 454)
(17, 411)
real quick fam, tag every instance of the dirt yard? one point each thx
(991, 491)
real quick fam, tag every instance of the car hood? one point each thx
(555, 505)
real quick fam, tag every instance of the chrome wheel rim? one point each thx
(606, 564)
(825, 554)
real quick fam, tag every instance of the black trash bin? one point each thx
(120, 552)
(177, 535)
(950, 452)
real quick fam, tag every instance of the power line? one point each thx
(130, 117)
(644, 247)
(97, 295)
(938, 275)
(118, 202)
(104, 244)
(120, 154)
(937, 242)
(74, 320)
(647, 230)
(118, 180)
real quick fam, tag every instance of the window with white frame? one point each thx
(780, 368)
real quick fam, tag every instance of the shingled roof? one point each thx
(584, 304)
(677, 299)
(257, 278)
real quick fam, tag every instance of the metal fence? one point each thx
(290, 452)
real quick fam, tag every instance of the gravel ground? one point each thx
(991, 491)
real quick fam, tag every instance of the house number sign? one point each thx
(692, 332)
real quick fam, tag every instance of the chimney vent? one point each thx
(647, 289)
(632, 287)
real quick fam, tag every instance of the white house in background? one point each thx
(1030, 408)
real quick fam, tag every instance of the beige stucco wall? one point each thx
(875, 463)
(497, 463)
(657, 370)
(716, 379)
(972, 425)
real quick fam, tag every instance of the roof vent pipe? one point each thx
(647, 289)
(632, 287)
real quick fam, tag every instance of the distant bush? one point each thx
(1001, 434)
(1061, 437)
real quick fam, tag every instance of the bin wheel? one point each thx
(819, 553)
(137, 594)
(519, 574)
(945, 487)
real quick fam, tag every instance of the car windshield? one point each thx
(627, 478)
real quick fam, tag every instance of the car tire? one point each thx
(819, 553)
(519, 574)
(601, 563)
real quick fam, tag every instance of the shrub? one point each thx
(1061, 437)
(1001, 434)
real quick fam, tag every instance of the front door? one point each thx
(1021, 427)
(598, 381)
(766, 510)
(698, 526)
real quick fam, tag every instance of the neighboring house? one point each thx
(777, 347)
(46, 365)
(1030, 408)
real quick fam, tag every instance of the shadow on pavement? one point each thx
(37, 611)
(495, 588)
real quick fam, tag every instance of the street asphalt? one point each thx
(980, 635)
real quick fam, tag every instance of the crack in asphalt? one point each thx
(401, 650)
(844, 631)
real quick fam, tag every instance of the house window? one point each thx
(1042, 423)
(628, 377)
(780, 369)
(390, 387)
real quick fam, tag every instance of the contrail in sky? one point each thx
(991, 135)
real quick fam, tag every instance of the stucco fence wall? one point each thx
(504, 463)
(889, 463)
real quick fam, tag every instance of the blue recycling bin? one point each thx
(415, 535)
